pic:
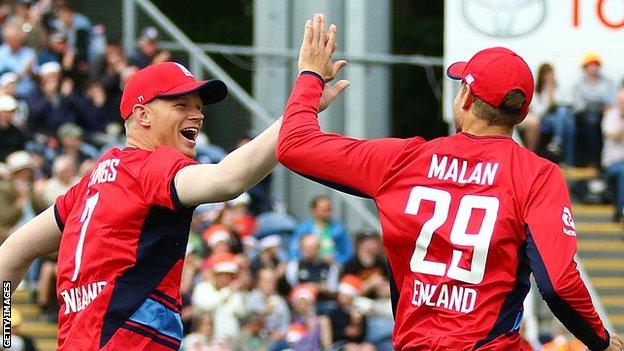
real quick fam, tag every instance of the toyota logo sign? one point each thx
(504, 18)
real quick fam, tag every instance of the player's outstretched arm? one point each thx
(348, 164)
(241, 169)
(40, 236)
(551, 247)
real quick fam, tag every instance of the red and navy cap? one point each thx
(167, 79)
(494, 72)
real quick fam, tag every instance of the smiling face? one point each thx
(176, 122)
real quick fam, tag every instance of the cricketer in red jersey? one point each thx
(123, 229)
(465, 218)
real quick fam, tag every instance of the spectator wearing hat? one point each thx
(11, 138)
(28, 18)
(335, 243)
(244, 223)
(269, 255)
(613, 151)
(310, 268)
(17, 58)
(218, 295)
(218, 239)
(348, 321)
(592, 96)
(265, 300)
(71, 143)
(149, 52)
(8, 86)
(52, 103)
(21, 173)
(309, 331)
(11, 208)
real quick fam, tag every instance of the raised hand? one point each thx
(317, 49)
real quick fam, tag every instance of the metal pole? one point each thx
(129, 26)
(367, 58)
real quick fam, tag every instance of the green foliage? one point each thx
(417, 29)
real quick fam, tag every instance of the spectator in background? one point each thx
(265, 301)
(369, 265)
(268, 257)
(311, 269)
(309, 331)
(347, 320)
(72, 144)
(8, 86)
(28, 18)
(55, 50)
(335, 244)
(63, 177)
(21, 173)
(96, 110)
(50, 105)
(592, 95)
(107, 69)
(555, 118)
(218, 295)
(613, 151)
(11, 138)
(149, 52)
(77, 30)
(202, 335)
(238, 209)
(250, 338)
(218, 238)
(17, 58)
(208, 152)
(12, 210)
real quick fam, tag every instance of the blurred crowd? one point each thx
(255, 278)
(586, 131)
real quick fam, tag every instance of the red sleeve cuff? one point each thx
(314, 74)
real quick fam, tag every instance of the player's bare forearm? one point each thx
(235, 174)
(41, 236)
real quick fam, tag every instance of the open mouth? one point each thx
(190, 133)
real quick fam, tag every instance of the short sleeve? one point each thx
(65, 203)
(157, 175)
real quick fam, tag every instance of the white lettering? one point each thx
(436, 169)
(476, 174)
(104, 172)
(461, 179)
(451, 173)
(449, 297)
(78, 298)
(481, 173)
(489, 173)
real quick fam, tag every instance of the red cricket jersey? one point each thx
(121, 254)
(465, 220)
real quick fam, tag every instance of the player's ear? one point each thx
(141, 115)
(467, 97)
